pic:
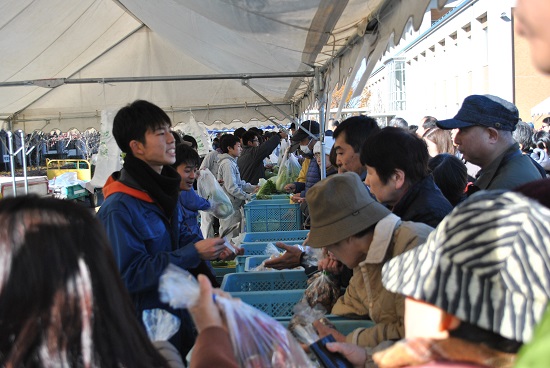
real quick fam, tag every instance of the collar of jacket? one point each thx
(121, 183)
(383, 235)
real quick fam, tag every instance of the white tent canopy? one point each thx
(63, 62)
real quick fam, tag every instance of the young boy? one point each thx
(238, 190)
(187, 163)
(141, 217)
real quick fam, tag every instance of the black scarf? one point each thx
(164, 188)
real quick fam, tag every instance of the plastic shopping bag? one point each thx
(209, 188)
(323, 290)
(160, 325)
(288, 171)
(258, 340)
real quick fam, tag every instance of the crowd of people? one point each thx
(442, 233)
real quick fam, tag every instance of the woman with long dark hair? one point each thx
(62, 302)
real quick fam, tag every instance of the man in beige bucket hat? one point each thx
(362, 234)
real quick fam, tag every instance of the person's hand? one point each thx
(205, 313)
(296, 198)
(330, 265)
(355, 354)
(323, 331)
(256, 188)
(227, 255)
(290, 188)
(290, 259)
(210, 249)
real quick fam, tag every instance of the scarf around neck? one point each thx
(163, 188)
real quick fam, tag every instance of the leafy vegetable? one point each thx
(266, 189)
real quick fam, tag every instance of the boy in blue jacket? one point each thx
(141, 217)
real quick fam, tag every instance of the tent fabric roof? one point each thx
(99, 39)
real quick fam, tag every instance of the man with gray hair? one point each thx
(484, 136)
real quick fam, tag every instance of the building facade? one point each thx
(467, 48)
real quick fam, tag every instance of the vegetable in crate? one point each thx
(266, 189)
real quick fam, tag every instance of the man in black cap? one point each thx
(485, 125)
(301, 139)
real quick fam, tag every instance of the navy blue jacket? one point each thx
(144, 242)
(423, 202)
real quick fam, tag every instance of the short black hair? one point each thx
(133, 120)
(228, 140)
(249, 136)
(193, 141)
(394, 148)
(177, 137)
(185, 154)
(356, 129)
(239, 132)
(450, 175)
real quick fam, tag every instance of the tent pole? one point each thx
(320, 94)
(56, 82)
(245, 83)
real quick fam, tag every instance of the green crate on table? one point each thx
(74, 192)
(343, 325)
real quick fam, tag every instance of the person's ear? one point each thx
(399, 178)
(136, 147)
(493, 134)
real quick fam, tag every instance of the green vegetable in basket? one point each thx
(266, 189)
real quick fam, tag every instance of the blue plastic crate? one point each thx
(220, 272)
(274, 196)
(241, 261)
(258, 248)
(264, 281)
(278, 303)
(254, 261)
(275, 236)
(342, 324)
(272, 215)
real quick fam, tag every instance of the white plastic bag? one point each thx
(199, 132)
(258, 340)
(209, 188)
(160, 325)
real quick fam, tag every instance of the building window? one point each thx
(396, 84)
